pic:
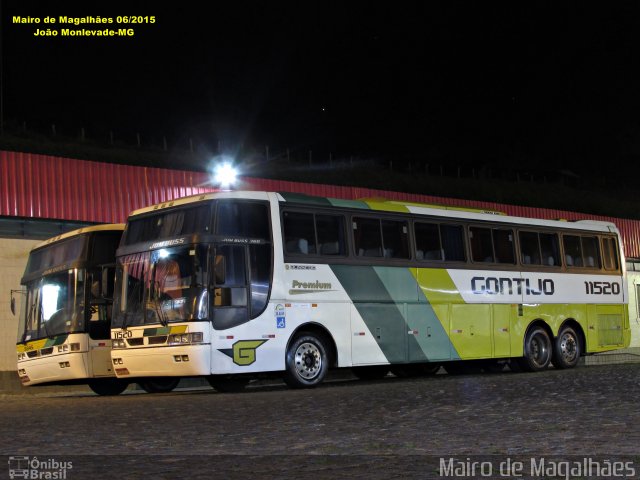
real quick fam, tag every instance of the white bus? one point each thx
(232, 285)
(64, 326)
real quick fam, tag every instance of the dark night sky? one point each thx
(556, 84)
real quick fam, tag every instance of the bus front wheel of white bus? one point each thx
(306, 361)
(108, 386)
(159, 384)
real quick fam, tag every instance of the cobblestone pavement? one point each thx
(391, 428)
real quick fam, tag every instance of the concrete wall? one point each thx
(13, 260)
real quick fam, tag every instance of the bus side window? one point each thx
(591, 256)
(299, 233)
(428, 245)
(453, 243)
(529, 248)
(367, 237)
(609, 255)
(550, 249)
(395, 237)
(572, 252)
(330, 229)
(503, 245)
(481, 244)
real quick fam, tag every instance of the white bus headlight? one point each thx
(185, 338)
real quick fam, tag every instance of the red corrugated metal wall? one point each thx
(43, 186)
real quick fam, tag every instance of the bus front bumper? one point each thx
(168, 361)
(55, 368)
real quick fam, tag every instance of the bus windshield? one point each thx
(161, 286)
(54, 306)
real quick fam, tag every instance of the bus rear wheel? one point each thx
(306, 362)
(108, 386)
(537, 350)
(159, 385)
(566, 349)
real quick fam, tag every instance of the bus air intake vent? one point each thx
(135, 342)
(46, 351)
(32, 353)
(158, 340)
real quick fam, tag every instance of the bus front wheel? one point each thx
(566, 349)
(306, 362)
(537, 350)
(159, 385)
(108, 386)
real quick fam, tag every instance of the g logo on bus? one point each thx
(243, 352)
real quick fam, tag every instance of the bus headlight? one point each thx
(115, 343)
(63, 348)
(185, 338)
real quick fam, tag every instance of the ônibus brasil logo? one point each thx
(35, 468)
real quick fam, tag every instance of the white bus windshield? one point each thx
(54, 306)
(164, 285)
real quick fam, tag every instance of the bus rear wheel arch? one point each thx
(538, 349)
(307, 360)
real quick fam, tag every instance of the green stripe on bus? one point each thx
(306, 199)
(336, 202)
(387, 299)
(428, 331)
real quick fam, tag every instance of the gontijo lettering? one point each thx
(509, 286)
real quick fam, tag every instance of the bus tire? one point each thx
(226, 384)
(371, 372)
(159, 384)
(537, 350)
(108, 386)
(566, 349)
(306, 362)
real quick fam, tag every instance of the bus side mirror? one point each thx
(13, 304)
(108, 276)
(219, 270)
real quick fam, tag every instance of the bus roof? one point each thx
(81, 231)
(384, 205)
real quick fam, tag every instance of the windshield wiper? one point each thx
(157, 305)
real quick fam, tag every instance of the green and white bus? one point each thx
(64, 326)
(235, 284)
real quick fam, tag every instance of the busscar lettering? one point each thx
(512, 286)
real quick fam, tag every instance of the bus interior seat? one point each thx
(419, 255)
(569, 260)
(551, 261)
(434, 255)
(300, 245)
(388, 253)
(526, 259)
(590, 262)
